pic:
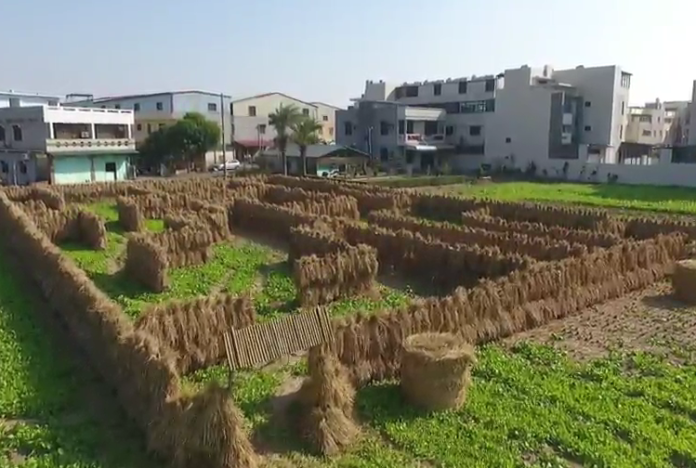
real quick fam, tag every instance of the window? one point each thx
(508, 140)
(567, 129)
(149, 129)
(262, 129)
(52, 103)
(325, 118)
(231, 108)
(625, 80)
(14, 102)
(103, 107)
(658, 120)
(2, 133)
(449, 130)
(398, 93)
(588, 104)
(621, 132)
(646, 132)
(476, 107)
(110, 167)
(160, 126)
(588, 128)
(490, 85)
(117, 106)
(212, 107)
(17, 133)
(646, 118)
(136, 107)
(348, 128)
(402, 127)
(383, 128)
(4, 167)
(160, 106)
(475, 130)
(623, 107)
(139, 127)
(462, 87)
(331, 131)
(411, 91)
(383, 154)
(409, 126)
(252, 111)
(22, 167)
(305, 111)
(437, 89)
(668, 120)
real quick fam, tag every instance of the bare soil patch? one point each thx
(650, 320)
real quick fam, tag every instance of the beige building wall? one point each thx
(650, 124)
(326, 115)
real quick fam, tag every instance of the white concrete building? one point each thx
(17, 99)
(64, 144)
(515, 117)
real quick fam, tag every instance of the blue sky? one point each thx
(325, 50)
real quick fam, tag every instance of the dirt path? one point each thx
(649, 320)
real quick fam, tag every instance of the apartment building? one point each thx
(155, 111)
(517, 116)
(252, 128)
(64, 145)
(17, 99)
(656, 123)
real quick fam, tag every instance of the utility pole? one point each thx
(222, 125)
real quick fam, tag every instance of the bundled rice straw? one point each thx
(684, 281)
(436, 370)
(327, 398)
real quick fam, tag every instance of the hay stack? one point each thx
(129, 215)
(436, 370)
(327, 398)
(92, 230)
(684, 281)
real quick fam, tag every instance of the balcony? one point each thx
(71, 145)
(414, 140)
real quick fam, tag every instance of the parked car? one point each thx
(232, 165)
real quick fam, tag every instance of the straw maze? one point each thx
(500, 268)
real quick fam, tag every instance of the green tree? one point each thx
(155, 150)
(191, 137)
(283, 120)
(305, 133)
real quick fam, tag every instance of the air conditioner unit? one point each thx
(84, 134)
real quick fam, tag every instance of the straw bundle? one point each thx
(327, 398)
(684, 281)
(347, 273)
(146, 262)
(193, 329)
(436, 370)
(129, 216)
(92, 231)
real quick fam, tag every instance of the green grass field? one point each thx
(673, 200)
(528, 406)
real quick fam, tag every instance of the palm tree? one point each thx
(283, 120)
(305, 133)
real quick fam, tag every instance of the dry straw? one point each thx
(204, 431)
(129, 215)
(327, 399)
(194, 329)
(347, 273)
(147, 262)
(684, 281)
(436, 370)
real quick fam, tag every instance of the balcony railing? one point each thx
(419, 139)
(90, 144)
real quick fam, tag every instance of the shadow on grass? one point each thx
(118, 285)
(666, 301)
(70, 414)
(385, 403)
(280, 434)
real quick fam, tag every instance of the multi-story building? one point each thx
(15, 99)
(326, 115)
(252, 128)
(155, 111)
(65, 144)
(517, 116)
(656, 123)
